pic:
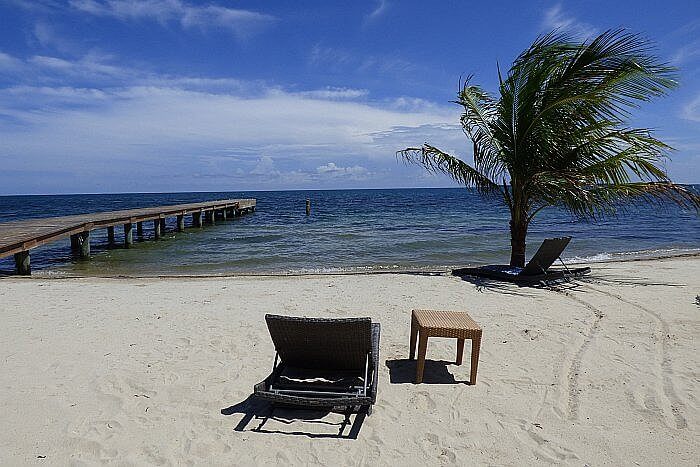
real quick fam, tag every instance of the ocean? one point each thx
(347, 231)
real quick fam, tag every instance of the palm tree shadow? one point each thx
(262, 412)
(484, 284)
(403, 371)
(609, 278)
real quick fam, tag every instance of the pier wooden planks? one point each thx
(23, 235)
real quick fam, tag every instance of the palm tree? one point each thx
(558, 135)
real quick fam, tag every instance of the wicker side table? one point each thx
(457, 324)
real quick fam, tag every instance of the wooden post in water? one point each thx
(197, 219)
(308, 207)
(22, 263)
(128, 235)
(162, 226)
(223, 214)
(180, 223)
(84, 244)
(139, 229)
(156, 228)
(110, 234)
(74, 243)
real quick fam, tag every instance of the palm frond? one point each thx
(435, 160)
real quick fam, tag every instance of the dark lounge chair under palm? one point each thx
(536, 270)
(322, 362)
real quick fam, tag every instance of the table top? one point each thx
(436, 319)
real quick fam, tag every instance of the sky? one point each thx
(100, 96)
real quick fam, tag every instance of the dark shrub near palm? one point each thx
(558, 133)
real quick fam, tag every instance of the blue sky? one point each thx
(179, 95)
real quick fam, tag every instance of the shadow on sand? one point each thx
(260, 413)
(403, 371)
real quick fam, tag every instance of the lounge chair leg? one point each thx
(420, 365)
(414, 336)
(460, 351)
(476, 344)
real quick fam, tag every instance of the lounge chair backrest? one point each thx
(327, 343)
(546, 255)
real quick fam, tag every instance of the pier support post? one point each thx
(180, 223)
(139, 229)
(197, 219)
(156, 228)
(110, 235)
(74, 243)
(210, 217)
(128, 235)
(22, 263)
(162, 226)
(83, 239)
(223, 214)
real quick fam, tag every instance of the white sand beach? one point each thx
(154, 371)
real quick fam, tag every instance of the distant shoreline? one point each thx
(427, 271)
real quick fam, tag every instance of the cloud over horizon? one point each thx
(126, 116)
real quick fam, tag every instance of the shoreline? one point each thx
(425, 271)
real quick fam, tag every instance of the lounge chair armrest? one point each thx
(376, 330)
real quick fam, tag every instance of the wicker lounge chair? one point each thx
(536, 270)
(322, 362)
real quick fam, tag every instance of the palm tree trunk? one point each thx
(518, 232)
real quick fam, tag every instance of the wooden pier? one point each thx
(18, 238)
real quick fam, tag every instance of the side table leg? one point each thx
(414, 336)
(420, 365)
(476, 344)
(460, 351)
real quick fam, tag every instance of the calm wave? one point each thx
(349, 230)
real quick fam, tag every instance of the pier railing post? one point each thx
(156, 228)
(181, 223)
(22, 263)
(128, 235)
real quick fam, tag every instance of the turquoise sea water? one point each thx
(348, 230)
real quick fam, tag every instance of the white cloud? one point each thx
(331, 169)
(691, 110)
(379, 11)
(556, 18)
(687, 53)
(242, 23)
(340, 60)
(266, 167)
(335, 93)
(9, 63)
(122, 127)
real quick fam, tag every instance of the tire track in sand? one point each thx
(572, 376)
(675, 405)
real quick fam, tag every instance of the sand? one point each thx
(158, 371)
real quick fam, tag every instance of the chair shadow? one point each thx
(403, 371)
(254, 409)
